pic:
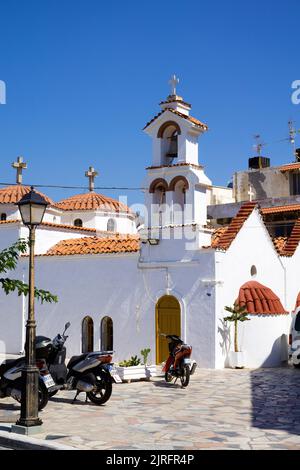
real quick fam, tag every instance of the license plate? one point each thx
(48, 381)
(187, 361)
(115, 376)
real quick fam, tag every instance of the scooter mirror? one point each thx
(67, 325)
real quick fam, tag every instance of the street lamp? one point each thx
(32, 207)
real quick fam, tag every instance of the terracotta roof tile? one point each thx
(13, 194)
(259, 300)
(280, 209)
(91, 201)
(293, 240)
(279, 243)
(68, 227)
(289, 167)
(184, 116)
(175, 164)
(217, 234)
(3, 222)
(95, 245)
(235, 226)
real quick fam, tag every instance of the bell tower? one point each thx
(176, 184)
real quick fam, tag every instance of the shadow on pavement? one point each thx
(276, 399)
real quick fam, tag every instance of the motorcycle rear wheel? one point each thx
(103, 390)
(43, 396)
(185, 377)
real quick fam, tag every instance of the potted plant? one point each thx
(238, 314)
(133, 369)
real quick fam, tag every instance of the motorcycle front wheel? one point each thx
(168, 377)
(102, 391)
(185, 376)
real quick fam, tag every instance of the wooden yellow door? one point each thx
(167, 322)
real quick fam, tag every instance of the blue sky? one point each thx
(83, 78)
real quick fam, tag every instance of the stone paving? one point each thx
(224, 409)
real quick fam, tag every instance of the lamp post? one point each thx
(32, 207)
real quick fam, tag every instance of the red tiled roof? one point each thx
(184, 116)
(68, 227)
(3, 222)
(175, 164)
(279, 243)
(280, 209)
(91, 201)
(259, 299)
(62, 226)
(289, 167)
(217, 234)
(235, 226)
(293, 240)
(95, 245)
(13, 194)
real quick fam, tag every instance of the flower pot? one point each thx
(136, 372)
(236, 360)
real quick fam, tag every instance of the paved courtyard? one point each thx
(227, 409)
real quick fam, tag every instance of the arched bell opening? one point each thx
(168, 133)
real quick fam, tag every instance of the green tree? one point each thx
(237, 314)
(8, 262)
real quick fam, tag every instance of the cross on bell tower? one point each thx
(91, 174)
(19, 165)
(173, 82)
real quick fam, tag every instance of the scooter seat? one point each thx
(75, 359)
(9, 363)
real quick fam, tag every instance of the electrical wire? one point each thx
(56, 186)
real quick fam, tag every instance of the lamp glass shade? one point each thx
(32, 214)
(32, 207)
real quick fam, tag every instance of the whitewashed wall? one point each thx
(113, 285)
(252, 246)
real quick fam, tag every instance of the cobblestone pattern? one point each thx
(225, 409)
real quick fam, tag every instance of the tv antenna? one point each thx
(258, 145)
(292, 138)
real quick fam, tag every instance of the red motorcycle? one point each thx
(179, 363)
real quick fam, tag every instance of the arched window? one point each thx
(78, 223)
(168, 133)
(111, 225)
(106, 333)
(253, 271)
(87, 335)
(3, 216)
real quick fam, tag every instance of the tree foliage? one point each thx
(238, 313)
(8, 262)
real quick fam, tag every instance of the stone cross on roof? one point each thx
(173, 82)
(91, 174)
(250, 193)
(19, 165)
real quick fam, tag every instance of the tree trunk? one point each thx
(236, 348)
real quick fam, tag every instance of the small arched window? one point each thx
(3, 216)
(106, 333)
(78, 223)
(87, 335)
(111, 225)
(253, 271)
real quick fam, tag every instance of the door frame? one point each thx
(182, 319)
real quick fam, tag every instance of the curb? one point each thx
(18, 442)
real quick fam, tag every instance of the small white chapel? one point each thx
(121, 284)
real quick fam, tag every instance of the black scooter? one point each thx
(89, 372)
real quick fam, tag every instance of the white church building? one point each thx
(121, 286)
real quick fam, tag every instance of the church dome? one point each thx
(13, 194)
(91, 201)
